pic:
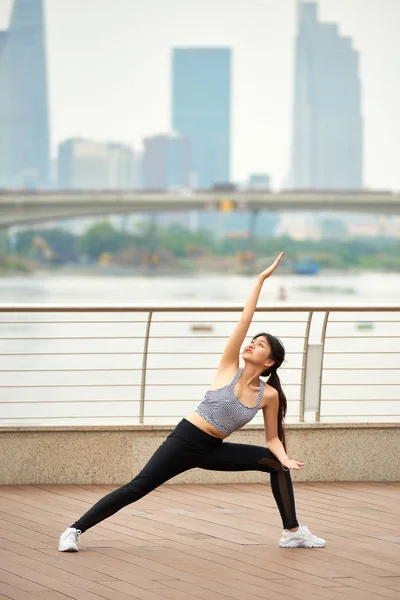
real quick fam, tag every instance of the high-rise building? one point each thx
(166, 162)
(259, 181)
(3, 37)
(121, 159)
(89, 165)
(24, 128)
(327, 147)
(201, 110)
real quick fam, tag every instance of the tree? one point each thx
(4, 249)
(62, 244)
(102, 237)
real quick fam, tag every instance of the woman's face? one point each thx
(258, 352)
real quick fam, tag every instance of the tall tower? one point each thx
(3, 37)
(166, 162)
(201, 110)
(24, 127)
(327, 146)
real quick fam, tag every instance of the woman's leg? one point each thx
(246, 457)
(169, 460)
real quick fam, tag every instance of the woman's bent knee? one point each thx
(270, 463)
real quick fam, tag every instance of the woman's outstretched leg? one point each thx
(246, 457)
(165, 463)
(181, 451)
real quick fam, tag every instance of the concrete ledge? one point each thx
(114, 454)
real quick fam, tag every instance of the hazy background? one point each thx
(109, 72)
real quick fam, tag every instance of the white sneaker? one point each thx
(69, 540)
(302, 538)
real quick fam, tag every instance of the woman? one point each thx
(236, 395)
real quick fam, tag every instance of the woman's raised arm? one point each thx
(232, 348)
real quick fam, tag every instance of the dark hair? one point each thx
(278, 356)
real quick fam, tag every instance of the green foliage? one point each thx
(102, 237)
(180, 241)
(61, 242)
(4, 249)
(12, 264)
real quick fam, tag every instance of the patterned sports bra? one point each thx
(224, 411)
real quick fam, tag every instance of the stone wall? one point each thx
(113, 455)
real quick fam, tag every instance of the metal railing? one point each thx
(120, 364)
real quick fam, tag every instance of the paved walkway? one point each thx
(211, 542)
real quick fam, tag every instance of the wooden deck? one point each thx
(211, 542)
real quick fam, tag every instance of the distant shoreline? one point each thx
(109, 271)
(210, 265)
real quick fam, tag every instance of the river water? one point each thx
(79, 368)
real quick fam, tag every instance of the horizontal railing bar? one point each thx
(166, 400)
(188, 321)
(35, 402)
(125, 352)
(116, 385)
(92, 418)
(157, 308)
(361, 369)
(134, 337)
(361, 400)
(356, 352)
(72, 370)
(136, 369)
(356, 416)
(350, 337)
(358, 384)
(77, 322)
(136, 418)
(352, 321)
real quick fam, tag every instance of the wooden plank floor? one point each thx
(210, 542)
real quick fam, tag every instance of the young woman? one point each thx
(236, 395)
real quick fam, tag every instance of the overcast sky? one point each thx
(109, 72)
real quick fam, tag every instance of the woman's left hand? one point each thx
(289, 464)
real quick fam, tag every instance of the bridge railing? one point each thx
(123, 365)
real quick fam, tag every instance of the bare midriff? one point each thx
(204, 425)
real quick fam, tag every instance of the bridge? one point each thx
(24, 207)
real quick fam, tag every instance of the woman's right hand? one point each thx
(268, 272)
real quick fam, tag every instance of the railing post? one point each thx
(313, 373)
(304, 366)
(144, 368)
(323, 338)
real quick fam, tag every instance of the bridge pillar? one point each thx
(152, 258)
(252, 233)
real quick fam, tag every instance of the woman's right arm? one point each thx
(231, 352)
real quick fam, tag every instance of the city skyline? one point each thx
(112, 106)
(24, 115)
(327, 143)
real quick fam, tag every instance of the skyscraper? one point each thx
(327, 147)
(24, 129)
(3, 37)
(166, 162)
(201, 110)
(90, 165)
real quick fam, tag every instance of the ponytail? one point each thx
(275, 382)
(278, 356)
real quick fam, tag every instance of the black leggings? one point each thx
(187, 447)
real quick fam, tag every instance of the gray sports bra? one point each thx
(224, 411)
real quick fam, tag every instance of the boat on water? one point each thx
(306, 266)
